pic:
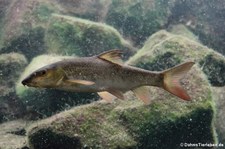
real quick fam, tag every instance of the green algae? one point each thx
(138, 19)
(69, 35)
(174, 49)
(30, 43)
(213, 66)
(43, 12)
(91, 126)
(11, 65)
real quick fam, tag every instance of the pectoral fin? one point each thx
(143, 94)
(81, 82)
(107, 96)
(59, 81)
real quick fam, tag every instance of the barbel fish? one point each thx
(108, 76)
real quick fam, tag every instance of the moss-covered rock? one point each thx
(36, 30)
(131, 124)
(12, 134)
(94, 10)
(42, 12)
(45, 102)
(205, 18)
(183, 30)
(69, 35)
(3, 8)
(11, 107)
(30, 43)
(23, 28)
(163, 50)
(11, 66)
(219, 93)
(214, 67)
(138, 19)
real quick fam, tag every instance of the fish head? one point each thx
(45, 77)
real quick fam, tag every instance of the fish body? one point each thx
(107, 75)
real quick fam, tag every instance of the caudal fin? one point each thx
(172, 77)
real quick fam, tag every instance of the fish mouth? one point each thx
(30, 84)
(26, 82)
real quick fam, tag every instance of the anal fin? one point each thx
(110, 95)
(107, 96)
(116, 93)
(143, 94)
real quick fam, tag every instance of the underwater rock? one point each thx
(131, 124)
(204, 17)
(22, 16)
(45, 102)
(181, 29)
(220, 117)
(23, 29)
(11, 107)
(94, 10)
(3, 7)
(137, 20)
(11, 66)
(31, 43)
(163, 50)
(73, 36)
(39, 30)
(10, 140)
(11, 18)
(214, 67)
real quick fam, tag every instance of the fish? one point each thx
(107, 75)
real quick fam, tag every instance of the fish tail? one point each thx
(171, 81)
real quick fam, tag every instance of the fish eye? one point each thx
(43, 72)
(34, 74)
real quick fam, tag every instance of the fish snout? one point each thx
(26, 81)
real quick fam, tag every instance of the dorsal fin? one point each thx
(114, 56)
